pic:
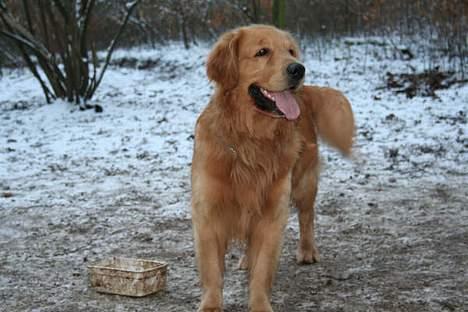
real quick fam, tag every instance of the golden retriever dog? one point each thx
(256, 154)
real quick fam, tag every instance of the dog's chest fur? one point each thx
(256, 165)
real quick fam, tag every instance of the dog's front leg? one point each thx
(210, 250)
(265, 247)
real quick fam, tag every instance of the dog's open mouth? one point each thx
(281, 104)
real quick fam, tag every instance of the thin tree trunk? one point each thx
(279, 13)
(92, 89)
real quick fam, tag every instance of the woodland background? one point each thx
(440, 24)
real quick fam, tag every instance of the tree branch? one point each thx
(48, 94)
(28, 16)
(62, 10)
(42, 14)
(111, 48)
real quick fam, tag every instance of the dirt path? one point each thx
(387, 248)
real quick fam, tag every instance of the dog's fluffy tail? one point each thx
(332, 115)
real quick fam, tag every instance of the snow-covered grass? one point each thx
(139, 148)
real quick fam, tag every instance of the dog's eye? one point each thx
(262, 52)
(292, 52)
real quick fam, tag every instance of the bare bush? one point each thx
(53, 38)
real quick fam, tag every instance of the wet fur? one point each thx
(248, 167)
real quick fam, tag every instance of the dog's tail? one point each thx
(332, 115)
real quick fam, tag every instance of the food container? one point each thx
(128, 277)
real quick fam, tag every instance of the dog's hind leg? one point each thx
(304, 197)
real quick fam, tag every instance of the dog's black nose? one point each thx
(295, 71)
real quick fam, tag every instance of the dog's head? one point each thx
(261, 61)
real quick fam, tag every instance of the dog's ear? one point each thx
(222, 63)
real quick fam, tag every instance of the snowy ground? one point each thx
(76, 187)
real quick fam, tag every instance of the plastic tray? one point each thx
(128, 277)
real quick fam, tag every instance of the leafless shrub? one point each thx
(53, 38)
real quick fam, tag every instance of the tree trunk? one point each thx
(279, 13)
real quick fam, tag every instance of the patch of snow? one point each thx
(139, 149)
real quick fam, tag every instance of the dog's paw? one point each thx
(307, 255)
(243, 263)
(210, 310)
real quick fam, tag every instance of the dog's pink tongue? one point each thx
(287, 104)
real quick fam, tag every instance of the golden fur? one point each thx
(248, 167)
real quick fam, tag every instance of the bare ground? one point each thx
(384, 246)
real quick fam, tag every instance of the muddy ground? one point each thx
(395, 247)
